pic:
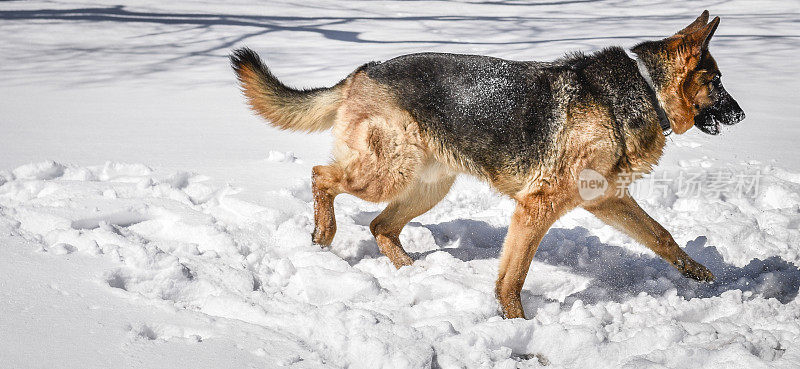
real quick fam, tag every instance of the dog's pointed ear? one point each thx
(690, 47)
(701, 21)
(703, 35)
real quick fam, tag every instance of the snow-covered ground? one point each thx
(147, 219)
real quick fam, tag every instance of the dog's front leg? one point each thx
(625, 214)
(532, 218)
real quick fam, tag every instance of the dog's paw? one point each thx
(692, 269)
(402, 260)
(323, 236)
(539, 357)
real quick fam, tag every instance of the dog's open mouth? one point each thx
(709, 120)
(709, 127)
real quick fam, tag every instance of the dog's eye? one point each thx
(714, 81)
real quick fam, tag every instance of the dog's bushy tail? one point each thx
(284, 107)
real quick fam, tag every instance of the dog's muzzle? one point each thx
(724, 111)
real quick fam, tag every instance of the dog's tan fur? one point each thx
(382, 155)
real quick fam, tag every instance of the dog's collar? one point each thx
(645, 73)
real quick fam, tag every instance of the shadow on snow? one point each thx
(269, 23)
(616, 273)
(205, 40)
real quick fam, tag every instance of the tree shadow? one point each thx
(616, 273)
(316, 24)
(269, 23)
(197, 35)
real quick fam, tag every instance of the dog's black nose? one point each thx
(734, 115)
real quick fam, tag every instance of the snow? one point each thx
(147, 219)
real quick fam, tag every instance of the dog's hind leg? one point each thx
(379, 156)
(416, 200)
(325, 186)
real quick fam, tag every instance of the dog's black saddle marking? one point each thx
(500, 113)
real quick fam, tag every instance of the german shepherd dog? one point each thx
(404, 129)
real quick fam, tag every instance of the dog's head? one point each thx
(687, 79)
